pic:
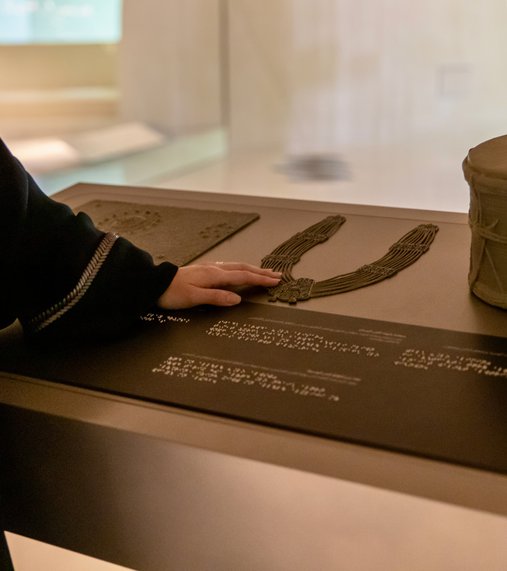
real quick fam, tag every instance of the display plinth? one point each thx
(260, 423)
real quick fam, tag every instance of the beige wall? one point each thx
(56, 66)
(302, 75)
(166, 72)
(170, 64)
(258, 78)
(319, 74)
(43, 81)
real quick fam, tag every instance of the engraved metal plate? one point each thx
(171, 233)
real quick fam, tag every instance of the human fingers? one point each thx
(212, 296)
(241, 266)
(183, 295)
(208, 284)
(215, 277)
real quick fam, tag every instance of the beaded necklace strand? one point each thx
(408, 249)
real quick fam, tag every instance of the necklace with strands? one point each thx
(401, 254)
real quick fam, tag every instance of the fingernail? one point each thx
(232, 299)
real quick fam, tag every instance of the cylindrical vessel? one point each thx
(485, 169)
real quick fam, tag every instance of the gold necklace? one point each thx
(401, 254)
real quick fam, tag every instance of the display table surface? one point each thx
(155, 448)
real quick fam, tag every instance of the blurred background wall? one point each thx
(363, 71)
(298, 77)
(169, 64)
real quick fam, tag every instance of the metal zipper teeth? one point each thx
(56, 311)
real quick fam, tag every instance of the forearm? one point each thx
(61, 276)
(108, 298)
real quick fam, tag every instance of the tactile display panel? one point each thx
(171, 233)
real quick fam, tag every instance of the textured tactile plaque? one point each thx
(178, 235)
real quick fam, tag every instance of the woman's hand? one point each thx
(211, 283)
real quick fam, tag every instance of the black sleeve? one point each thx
(61, 276)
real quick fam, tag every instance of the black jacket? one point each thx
(60, 275)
